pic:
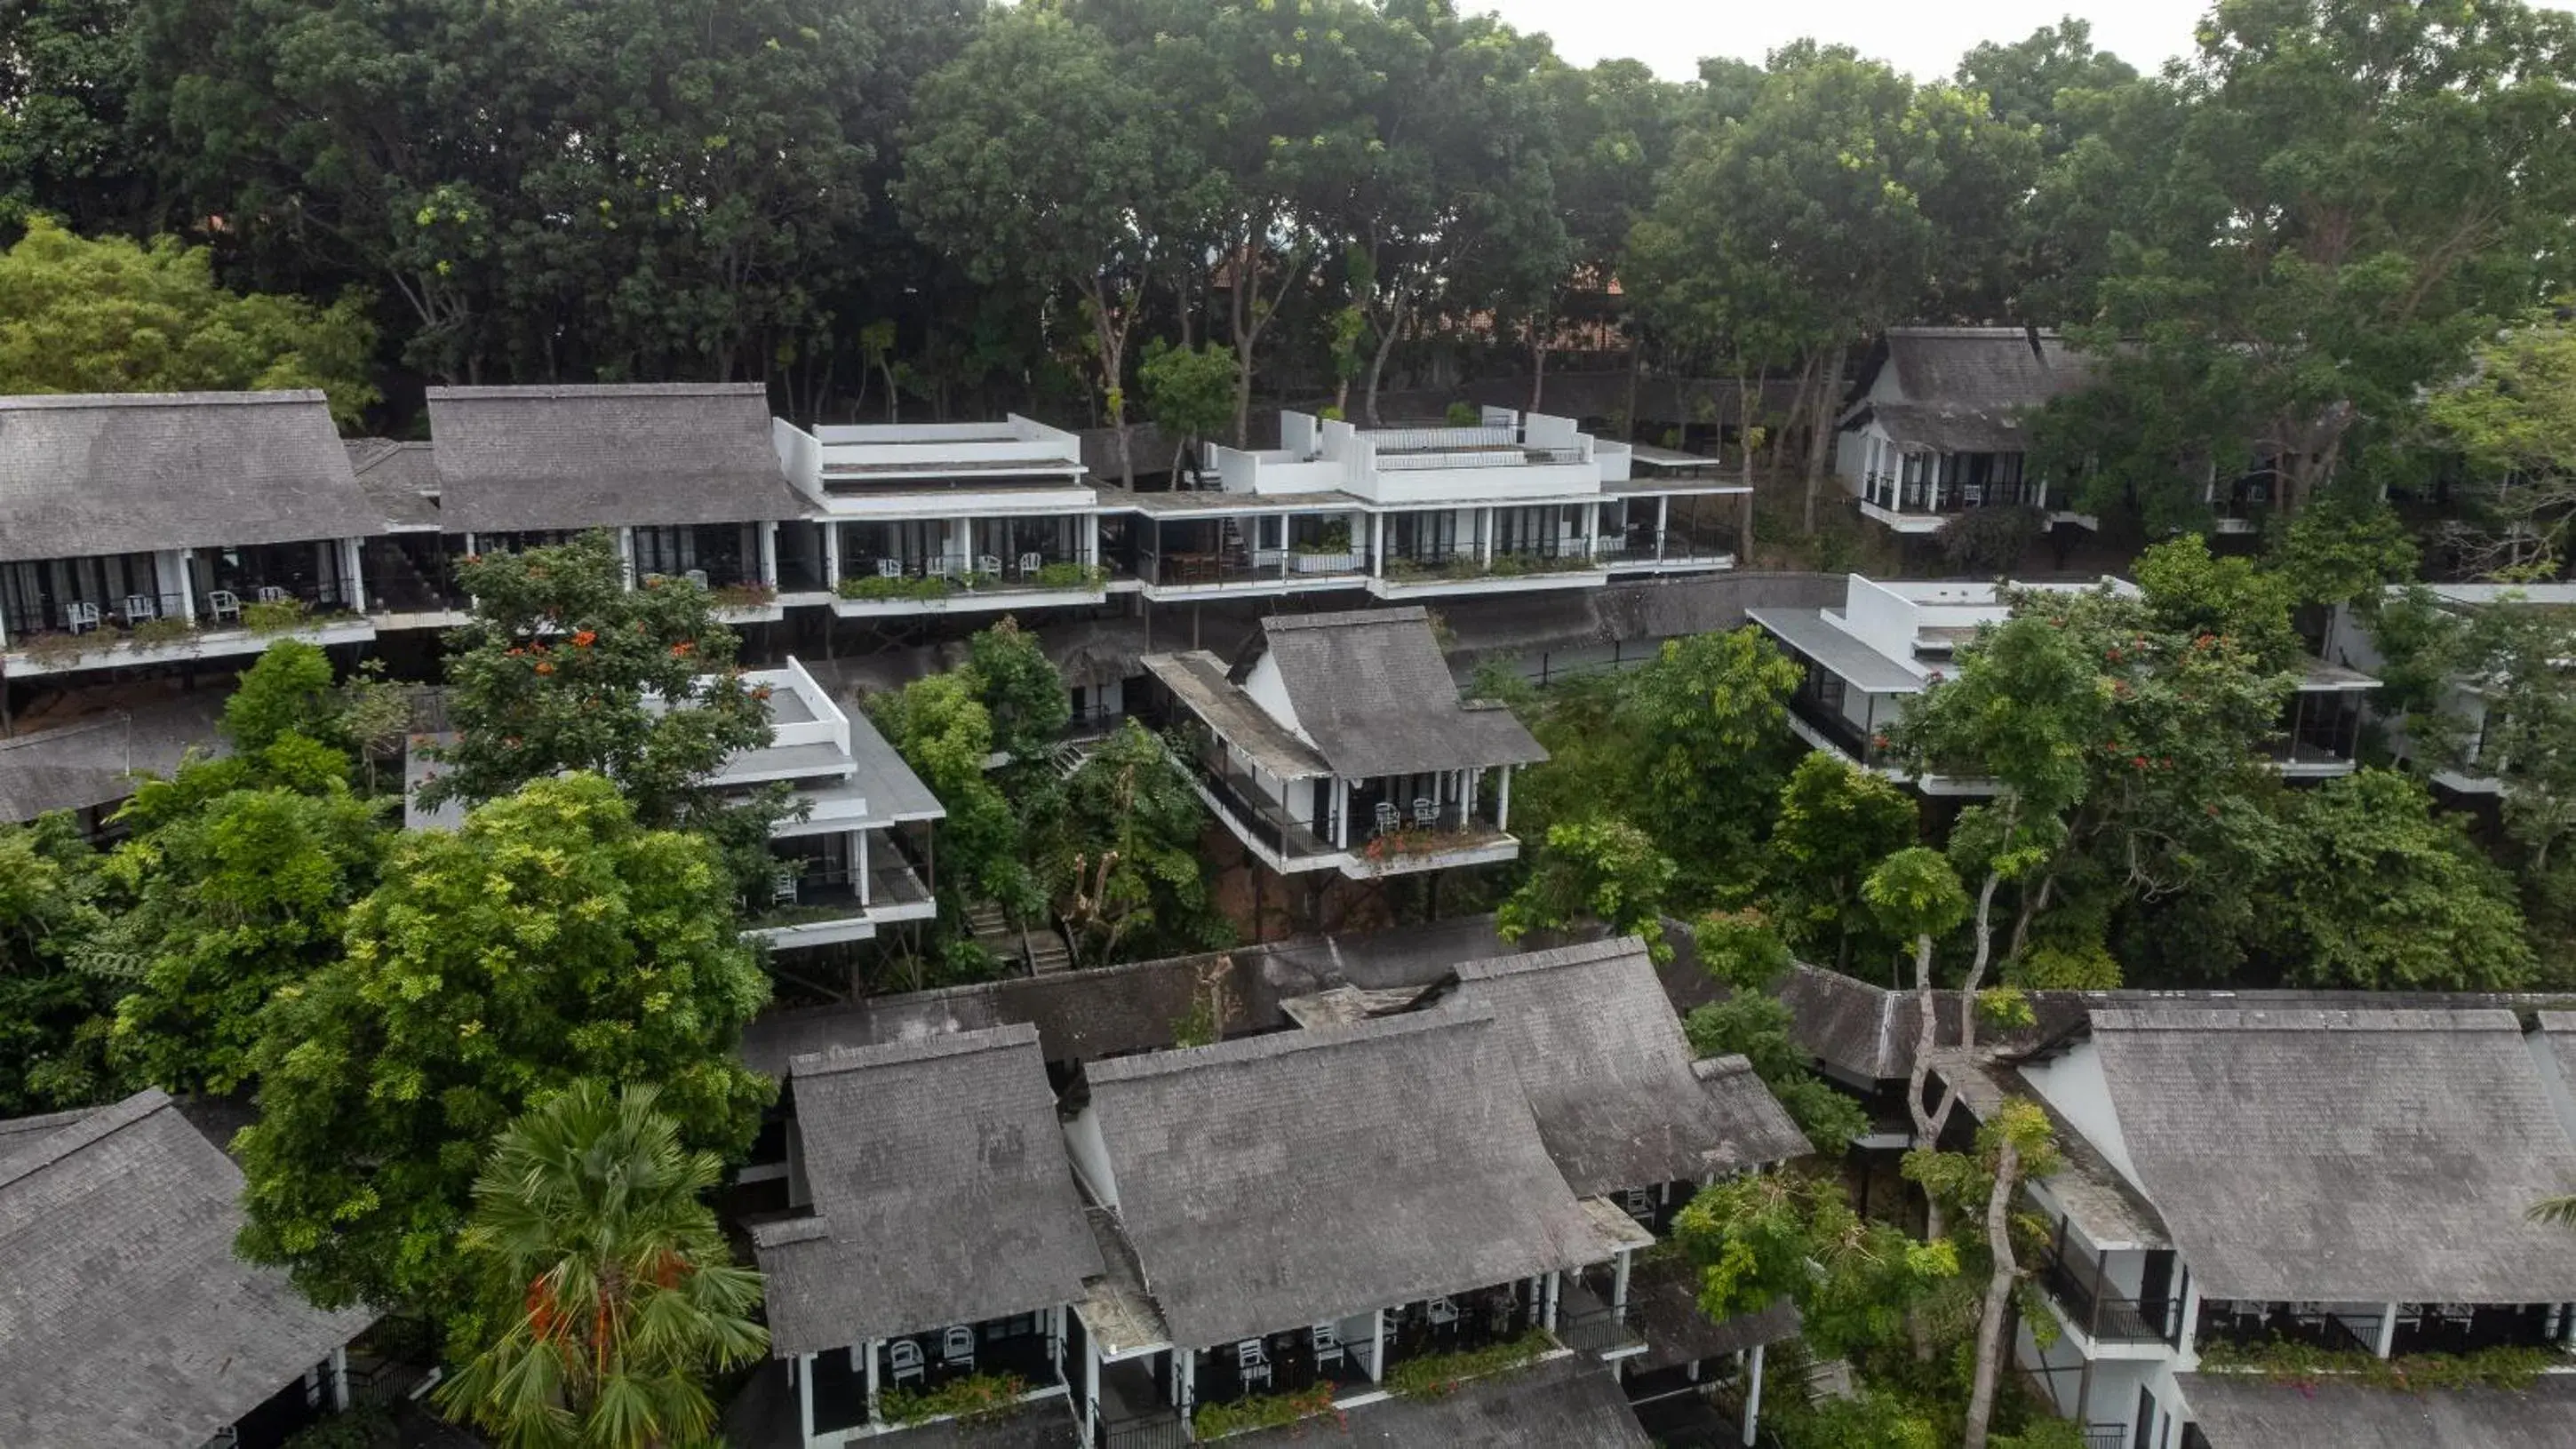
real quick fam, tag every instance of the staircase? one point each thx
(1043, 950)
(1048, 953)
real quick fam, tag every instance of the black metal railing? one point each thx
(1601, 1330)
(1030, 569)
(1470, 562)
(2253, 1326)
(1161, 1429)
(1249, 808)
(2102, 1316)
(2106, 1436)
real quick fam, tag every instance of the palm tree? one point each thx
(610, 1293)
(2559, 1211)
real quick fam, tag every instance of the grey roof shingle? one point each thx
(1977, 367)
(1280, 1180)
(1566, 1402)
(2249, 1411)
(605, 456)
(941, 1193)
(399, 478)
(1370, 688)
(98, 761)
(1619, 1101)
(88, 474)
(125, 1319)
(1197, 679)
(2347, 1156)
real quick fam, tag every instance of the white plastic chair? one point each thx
(1252, 1363)
(1389, 819)
(696, 576)
(1326, 1340)
(782, 885)
(79, 615)
(957, 1349)
(988, 565)
(1030, 563)
(140, 607)
(271, 594)
(1425, 813)
(939, 566)
(889, 568)
(905, 1356)
(1442, 1313)
(222, 604)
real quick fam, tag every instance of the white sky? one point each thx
(1922, 37)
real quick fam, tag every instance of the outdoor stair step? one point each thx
(1048, 954)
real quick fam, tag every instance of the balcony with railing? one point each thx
(1253, 813)
(876, 583)
(2340, 1327)
(2095, 1307)
(52, 632)
(1469, 567)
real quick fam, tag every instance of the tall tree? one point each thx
(1836, 822)
(563, 667)
(1036, 154)
(1602, 870)
(54, 1016)
(609, 1294)
(2512, 419)
(1706, 730)
(1118, 849)
(2380, 894)
(66, 72)
(551, 938)
(114, 315)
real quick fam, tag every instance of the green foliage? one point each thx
(1260, 1411)
(274, 616)
(1118, 849)
(1836, 822)
(1072, 576)
(1754, 1240)
(1024, 695)
(2190, 592)
(1992, 540)
(974, 1397)
(554, 672)
(879, 589)
(608, 1292)
(2378, 893)
(2071, 966)
(53, 1016)
(551, 938)
(287, 691)
(1914, 893)
(1756, 1026)
(363, 1426)
(1707, 725)
(2513, 419)
(2306, 1365)
(112, 315)
(943, 731)
(1594, 870)
(2344, 548)
(1189, 391)
(1436, 1375)
(1462, 415)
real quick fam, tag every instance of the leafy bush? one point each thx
(1261, 1411)
(363, 1427)
(1463, 415)
(977, 1396)
(1071, 576)
(879, 589)
(1991, 540)
(56, 650)
(159, 631)
(273, 616)
(745, 596)
(1433, 1375)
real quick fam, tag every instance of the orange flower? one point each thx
(683, 649)
(585, 638)
(544, 668)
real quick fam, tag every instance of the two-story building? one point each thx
(126, 1320)
(1893, 639)
(1512, 503)
(164, 529)
(2353, 1180)
(1340, 742)
(1935, 424)
(2352, 640)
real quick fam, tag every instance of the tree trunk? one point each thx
(1745, 412)
(1112, 337)
(1538, 369)
(1999, 1287)
(1820, 438)
(1636, 366)
(1377, 361)
(1926, 1038)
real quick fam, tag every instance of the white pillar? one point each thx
(769, 553)
(1185, 1381)
(183, 565)
(1547, 1294)
(626, 554)
(1485, 535)
(2387, 1330)
(1503, 806)
(802, 1367)
(340, 1379)
(1663, 521)
(870, 1349)
(1089, 532)
(1619, 1279)
(1377, 545)
(1341, 813)
(353, 558)
(1377, 1347)
(831, 553)
(1090, 1387)
(859, 857)
(2188, 1354)
(1753, 1394)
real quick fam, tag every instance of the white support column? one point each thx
(184, 565)
(352, 564)
(1485, 535)
(859, 862)
(1753, 1394)
(870, 1349)
(2187, 1352)
(831, 554)
(1377, 1347)
(1503, 805)
(1591, 530)
(1663, 521)
(1089, 532)
(1377, 545)
(803, 1369)
(1090, 1387)
(1185, 1382)
(1619, 1279)
(1341, 813)
(626, 554)
(340, 1379)
(2387, 1330)
(1547, 1293)
(769, 554)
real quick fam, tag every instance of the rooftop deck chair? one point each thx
(904, 1355)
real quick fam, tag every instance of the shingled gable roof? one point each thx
(1557, 1403)
(2345, 1156)
(2252, 1411)
(638, 455)
(1371, 690)
(941, 1193)
(1280, 1180)
(1965, 389)
(84, 474)
(1619, 1101)
(125, 1319)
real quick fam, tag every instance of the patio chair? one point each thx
(1425, 814)
(904, 1355)
(1389, 819)
(140, 608)
(889, 568)
(1030, 563)
(1442, 1312)
(271, 594)
(1252, 1363)
(957, 1349)
(223, 605)
(939, 566)
(987, 565)
(782, 885)
(1325, 1339)
(1640, 1204)
(79, 615)
(696, 576)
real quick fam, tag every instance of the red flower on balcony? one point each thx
(684, 648)
(585, 638)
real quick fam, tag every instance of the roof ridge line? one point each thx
(1550, 958)
(1455, 1014)
(904, 1050)
(55, 1146)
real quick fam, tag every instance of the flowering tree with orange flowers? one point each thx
(563, 667)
